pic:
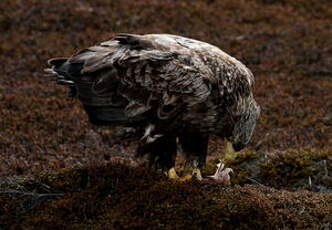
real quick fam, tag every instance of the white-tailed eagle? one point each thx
(169, 86)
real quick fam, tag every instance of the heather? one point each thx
(56, 166)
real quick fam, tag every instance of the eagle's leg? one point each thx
(229, 150)
(195, 151)
(161, 154)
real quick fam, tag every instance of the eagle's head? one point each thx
(244, 127)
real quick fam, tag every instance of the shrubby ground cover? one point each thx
(55, 166)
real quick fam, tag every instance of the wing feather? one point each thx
(149, 78)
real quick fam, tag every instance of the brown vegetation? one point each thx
(287, 45)
(115, 196)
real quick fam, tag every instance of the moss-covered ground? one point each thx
(58, 172)
(116, 196)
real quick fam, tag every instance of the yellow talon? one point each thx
(197, 174)
(186, 178)
(171, 174)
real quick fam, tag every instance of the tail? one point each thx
(59, 71)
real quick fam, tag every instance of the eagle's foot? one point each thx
(186, 178)
(171, 174)
(197, 174)
(229, 150)
(195, 166)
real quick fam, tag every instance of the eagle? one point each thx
(178, 91)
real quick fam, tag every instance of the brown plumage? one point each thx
(170, 86)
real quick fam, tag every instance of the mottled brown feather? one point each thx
(185, 85)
